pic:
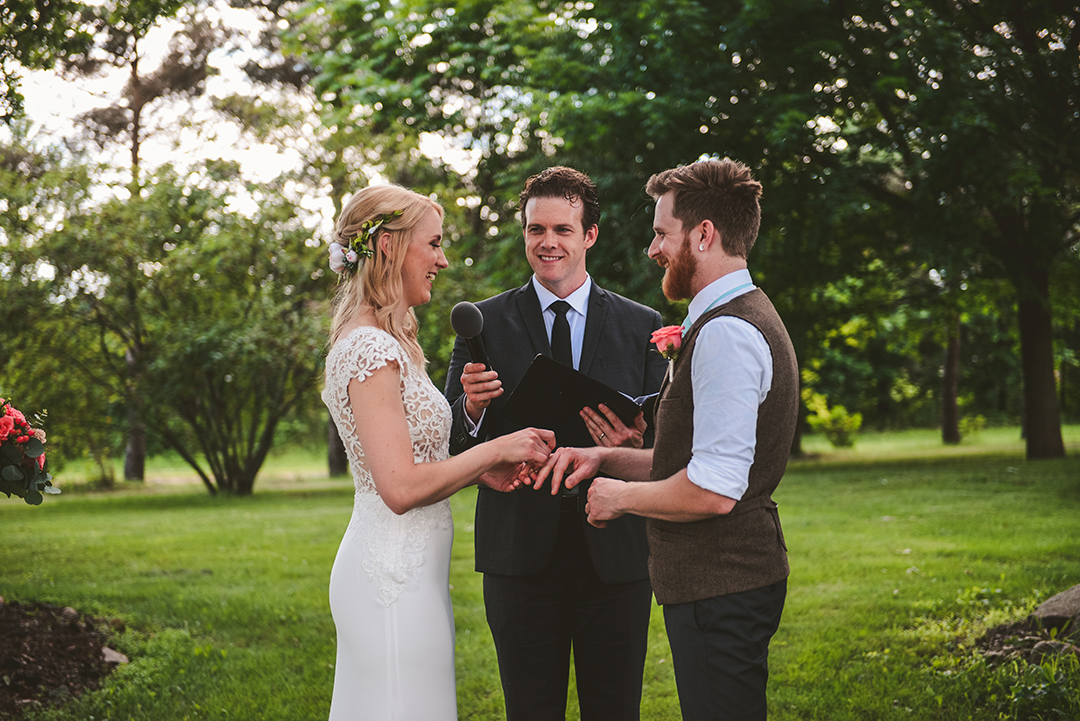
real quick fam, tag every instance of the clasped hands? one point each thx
(566, 467)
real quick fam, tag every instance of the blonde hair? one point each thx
(377, 282)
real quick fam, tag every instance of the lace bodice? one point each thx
(396, 543)
(359, 354)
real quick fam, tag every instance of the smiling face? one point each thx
(670, 249)
(555, 243)
(424, 258)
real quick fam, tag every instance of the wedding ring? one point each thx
(602, 435)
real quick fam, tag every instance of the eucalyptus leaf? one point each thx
(12, 473)
(34, 448)
(34, 498)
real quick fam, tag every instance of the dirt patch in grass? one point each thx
(50, 654)
(1026, 640)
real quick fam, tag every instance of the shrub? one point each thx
(839, 426)
(970, 426)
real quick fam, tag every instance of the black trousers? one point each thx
(720, 650)
(537, 620)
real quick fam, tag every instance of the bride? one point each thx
(389, 587)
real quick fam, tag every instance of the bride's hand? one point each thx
(529, 445)
(506, 477)
(518, 457)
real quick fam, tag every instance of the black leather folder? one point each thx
(551, 396)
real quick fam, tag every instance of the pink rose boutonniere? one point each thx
(668, 340)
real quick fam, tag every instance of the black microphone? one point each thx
(468, 321)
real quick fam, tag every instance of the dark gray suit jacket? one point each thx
(515, 532)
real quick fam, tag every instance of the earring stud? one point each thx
(701, 246)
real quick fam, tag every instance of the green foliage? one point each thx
(1014, 690)
(35, 35)
(868, 125)
(839, 426)
(37, 185)
(236, 343)
(971, 426)
(171, 300)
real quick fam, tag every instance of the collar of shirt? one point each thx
(709, 294)
(578, 300)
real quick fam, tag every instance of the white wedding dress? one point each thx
(390, 584)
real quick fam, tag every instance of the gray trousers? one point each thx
(720, 650)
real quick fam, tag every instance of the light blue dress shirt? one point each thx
(731, 371)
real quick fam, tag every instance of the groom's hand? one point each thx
(604, 501)
(568, 467)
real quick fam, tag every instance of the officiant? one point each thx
(553, 584)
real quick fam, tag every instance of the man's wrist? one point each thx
(472, 424)
(603, 454)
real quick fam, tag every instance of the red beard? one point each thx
(678, 280)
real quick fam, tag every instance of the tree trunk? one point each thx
(335, 456)
(950, 409)
(135, 450)
(1042, 415)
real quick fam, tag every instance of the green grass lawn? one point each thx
(901, 552)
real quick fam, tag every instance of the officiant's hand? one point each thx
(608, 430)
(481, 386)
(568, 467)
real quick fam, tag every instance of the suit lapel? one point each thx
(594, 326)
(532, 317)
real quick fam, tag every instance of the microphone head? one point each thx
(466, 319)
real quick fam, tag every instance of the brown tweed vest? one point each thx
(744, 549)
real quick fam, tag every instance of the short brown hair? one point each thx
(721, 191)
(562, 182)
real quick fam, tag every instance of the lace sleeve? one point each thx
(359, 354)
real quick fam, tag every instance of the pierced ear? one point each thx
(708, 234)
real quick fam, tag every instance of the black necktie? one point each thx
(561, 349)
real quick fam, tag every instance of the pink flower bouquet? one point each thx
(23, 468)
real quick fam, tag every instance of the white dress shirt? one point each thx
(731, 371)
(579, 307)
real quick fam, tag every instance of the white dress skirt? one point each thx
(390, 584)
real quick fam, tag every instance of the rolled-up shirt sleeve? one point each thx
(731, 371)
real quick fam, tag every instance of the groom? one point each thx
(725, 419)
(552, 582)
